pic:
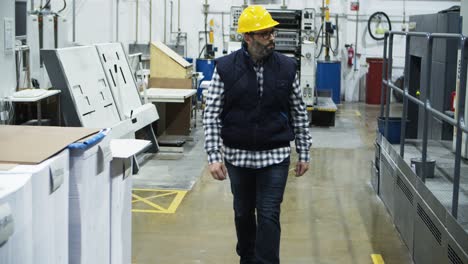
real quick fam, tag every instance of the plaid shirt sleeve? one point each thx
(300, 122)
(211, 119)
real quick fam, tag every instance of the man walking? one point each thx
(254, 109)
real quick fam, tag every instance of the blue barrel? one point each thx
(207, 67)
(190, 60)
(329, 78)
(394, 129)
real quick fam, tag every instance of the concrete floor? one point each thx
(330, 215)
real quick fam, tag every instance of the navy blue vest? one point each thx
(250, 121)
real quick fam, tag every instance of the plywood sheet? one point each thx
(165, 63)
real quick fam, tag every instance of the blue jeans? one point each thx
(258, 237)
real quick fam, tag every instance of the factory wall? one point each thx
(96, 22)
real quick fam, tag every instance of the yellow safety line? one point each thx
(176, 202)
(151, 211)
(377, 259)
(155, 190)
(321, 109)
(156, 196)
(326, 109)
(172, 207)
(358, 113)
(148, 202)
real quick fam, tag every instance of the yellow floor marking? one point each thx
(155, 196)
(176, 202)
(148, 202)
(157, 190)
(377, 259)
(155, 208)
(358, 113)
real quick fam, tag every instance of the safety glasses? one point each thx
(266, 34)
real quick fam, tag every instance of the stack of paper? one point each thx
(89, 203)
(50, 210)
(121, 197)
(121, 211)
(15, 219)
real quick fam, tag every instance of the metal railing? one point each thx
(458, 122)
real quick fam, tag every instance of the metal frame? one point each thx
(387, 181)
(429, 234)
(404, 203)
(458, 123)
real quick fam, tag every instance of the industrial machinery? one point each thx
(289, 31)
(464, 147)
(235, 14)
(296, 36)
(308, 72)
(98, 90)
(45, 30)
(443, 73)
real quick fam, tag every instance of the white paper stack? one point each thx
(121, 211)
(50, 211)
(121, 197)
(89, 202)
(15, 219)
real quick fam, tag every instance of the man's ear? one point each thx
(248, 38)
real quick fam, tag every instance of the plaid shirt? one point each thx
(248, 158)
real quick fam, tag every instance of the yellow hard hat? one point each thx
(253, 18)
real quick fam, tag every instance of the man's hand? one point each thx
(218, 171)
(301, 168)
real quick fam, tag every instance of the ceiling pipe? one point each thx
(116, 20)
(150, 20)
(165, 21)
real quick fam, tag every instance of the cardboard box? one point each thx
(166, 63)
(34, 144)
(16, 234)
(49, 181)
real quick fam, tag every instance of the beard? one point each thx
(262, 51)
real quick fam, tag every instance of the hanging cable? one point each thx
(316, 42)
(199, 55)
(335, 51)
(64, 6)
(206, 30)
(46, 4)
(378, 18)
